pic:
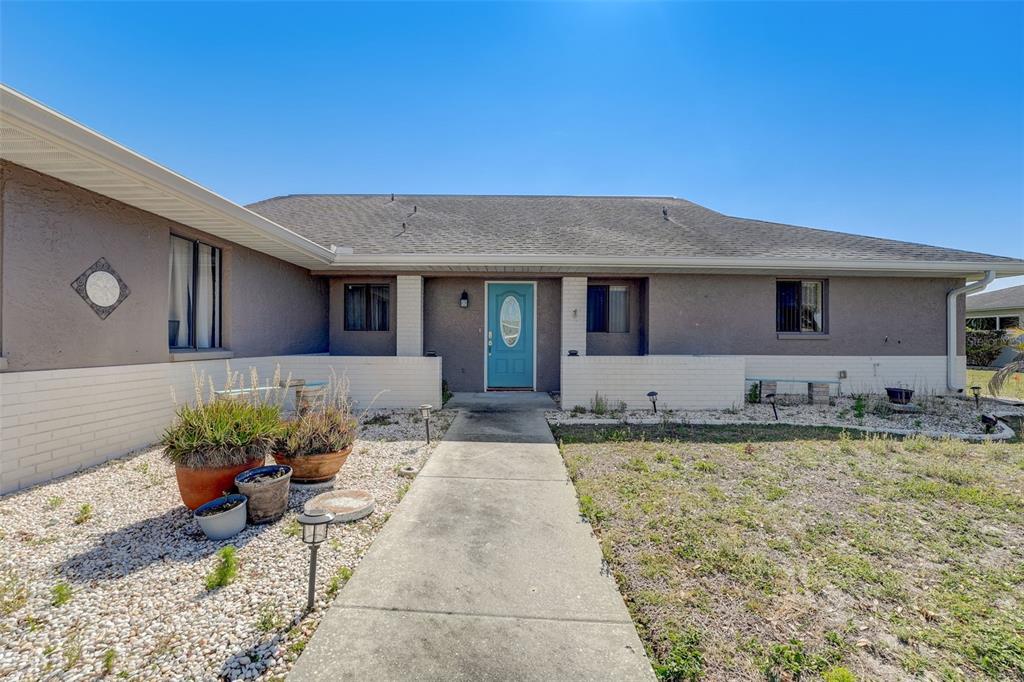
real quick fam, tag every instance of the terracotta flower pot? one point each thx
(199, 486)
(314, 468)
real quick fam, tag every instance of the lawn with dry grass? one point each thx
(784, 553)
(1012, 388)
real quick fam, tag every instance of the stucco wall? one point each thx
(715, 314)
(361, 343)
(52, 231)
(457, 334)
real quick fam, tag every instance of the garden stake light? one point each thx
(976, 392)
(425, 413)
(653, 397)
(314, 531)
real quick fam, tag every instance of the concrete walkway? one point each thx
(484, 572)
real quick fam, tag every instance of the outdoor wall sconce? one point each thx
(314, 531)
(464, 300)
(425, 413)
(653, 397)
(976, 392)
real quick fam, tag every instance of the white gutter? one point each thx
(644, 263)
(70, 137)
(953, 329)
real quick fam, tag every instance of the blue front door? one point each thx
(509, 335)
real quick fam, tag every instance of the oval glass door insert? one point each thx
(511, 321)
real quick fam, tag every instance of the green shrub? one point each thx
(754, 394)
(221, 433)
(226, 570)
(599, 405)
(984, 345)
(860, 406)
(446, 393)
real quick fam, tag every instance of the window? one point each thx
(983, 323)
(366, 307)
(800, 306)
(608, 308)
(194, 313)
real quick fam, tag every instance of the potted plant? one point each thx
(267, 490)
(211, 442)
(319, 439)
(223, 517)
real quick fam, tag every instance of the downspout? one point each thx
(953, 330)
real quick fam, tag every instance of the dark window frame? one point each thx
(218, 304)
(601, 326)
(780, 321)
(367, 304)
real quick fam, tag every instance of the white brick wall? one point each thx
(865, 374)
(409, 335)
(58, 421)
(682, 381)
(574, 315)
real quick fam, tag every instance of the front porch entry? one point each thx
(510, 348)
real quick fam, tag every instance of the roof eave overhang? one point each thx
(39, 138)
(599, 264)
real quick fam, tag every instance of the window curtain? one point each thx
(355, 307)
(207, 296)
(787, 309)
(378, 312)
(180, 309)
(597, 308)
(810, 304)
(618, 309)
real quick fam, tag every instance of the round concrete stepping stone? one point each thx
(347, 505)
(321, 485)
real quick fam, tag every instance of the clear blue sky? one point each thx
(896, 120)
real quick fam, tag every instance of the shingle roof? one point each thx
(571, 225)
(1010, 297)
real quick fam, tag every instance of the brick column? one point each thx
(409, 335)
(574, 315)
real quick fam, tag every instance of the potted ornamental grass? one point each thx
(318, 440)
(219, 436)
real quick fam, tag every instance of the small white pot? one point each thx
(222, 525)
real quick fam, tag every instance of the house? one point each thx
(1001, 309)
(121, 278)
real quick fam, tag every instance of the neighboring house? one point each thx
(120, 277)
(1002, 309)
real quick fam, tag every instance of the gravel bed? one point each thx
(136, 570)
(932, 415)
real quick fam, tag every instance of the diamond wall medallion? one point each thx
(101, 287)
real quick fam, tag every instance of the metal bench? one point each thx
(235, 393)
